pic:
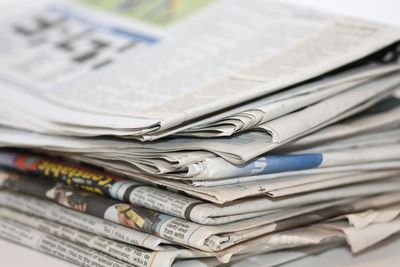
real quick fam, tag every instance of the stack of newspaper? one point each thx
(196, 133)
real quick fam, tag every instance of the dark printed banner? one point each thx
(68, 173)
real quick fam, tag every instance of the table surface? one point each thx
(386, 254)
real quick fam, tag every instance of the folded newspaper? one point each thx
(196, 133)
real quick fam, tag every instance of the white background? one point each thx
(386, 255)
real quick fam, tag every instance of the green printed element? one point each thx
(159, 12)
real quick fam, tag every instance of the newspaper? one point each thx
(216, 168)
(369, 166)
(182, 206)
(343, 81)
(289, 144)
(174, 157)
(121, 251)
(26, 204)
(339, 181)
(187, 48)
(211, 125)
(312, 235)
(385, 115)
(152, 222)
(279, 257)
(261, 187)
(355, 237)
(150, 157)
(295, 125)
(139, 257)
(375, 138)
(253, 207)
(83, 256)
(147, 159)
(318, 235)
(278, 104)
(81, 221)
(362, 219)
(361, 239)
(119, 188)
(368, 228)
(203, 237)
(264, 259)
(270, 242)
(341, 106)
(34, 239)
(239, 187)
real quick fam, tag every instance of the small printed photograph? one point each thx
(68, 197)
(137, 218)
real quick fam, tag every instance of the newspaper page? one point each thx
(258, 187)
(251, 118)
(54, 246)
(379, 217)
(84, 222)
(203, 237)
(150, 157)
(362, 219)
(95, 181)
(329, 183)
(367, 228)
(106, 51)
(271, 242)
(217, 168)
(267, 187)
(370, 235)
(170, 228)
(261, 109)
(26, 204)
(292, 238)
(265, 259)
(385, 115)
(238, 187)
(282, 103)
(279, 257)
(375, 138)
(140, 257)
(292, 126)
(369, 166)
(208, 213)
(124, 252)
(179, 205)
